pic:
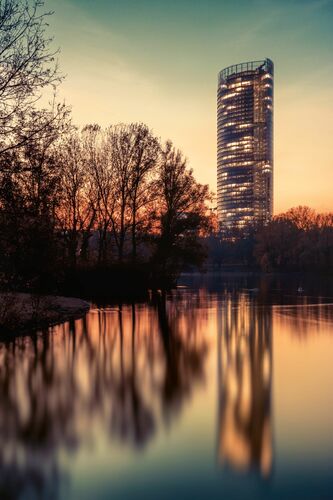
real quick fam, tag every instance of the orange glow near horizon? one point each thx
(123, 66)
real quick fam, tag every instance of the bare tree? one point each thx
(39, 171)
(299, 239)
(143, 172)
(121, 150)
(134, 153)
(184, 214)
(27, 67)
(181, 195)
(29, 195)
(99, 167)
(76, 215)
(118, 165)
(303, 217)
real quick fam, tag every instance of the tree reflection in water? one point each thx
(307, 318)
(244, 384)
(128, 368)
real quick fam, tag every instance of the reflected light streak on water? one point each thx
(210, 390)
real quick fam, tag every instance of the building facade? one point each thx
(245, 144)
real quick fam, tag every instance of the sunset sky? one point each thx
(156, 61)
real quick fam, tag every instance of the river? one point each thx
(221, 388)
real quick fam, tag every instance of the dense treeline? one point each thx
(87, 198)
(98, 197)
(297, 240)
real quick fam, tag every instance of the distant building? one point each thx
(245, 144)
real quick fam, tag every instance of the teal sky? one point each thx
(156, 61)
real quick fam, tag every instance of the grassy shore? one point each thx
(23, 312)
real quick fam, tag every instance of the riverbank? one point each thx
(23, 312)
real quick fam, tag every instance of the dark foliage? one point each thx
(297, 240)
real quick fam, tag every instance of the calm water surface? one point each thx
(220, 389)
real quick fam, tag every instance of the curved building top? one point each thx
(250, 66)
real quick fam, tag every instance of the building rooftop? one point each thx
(234, 69)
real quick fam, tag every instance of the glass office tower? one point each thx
(245, 144)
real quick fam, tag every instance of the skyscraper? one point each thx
(245, 144)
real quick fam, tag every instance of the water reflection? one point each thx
(108, 388)
(128, 368)
(244, 385)
(307, 318)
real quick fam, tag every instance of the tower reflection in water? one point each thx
(244, 385)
